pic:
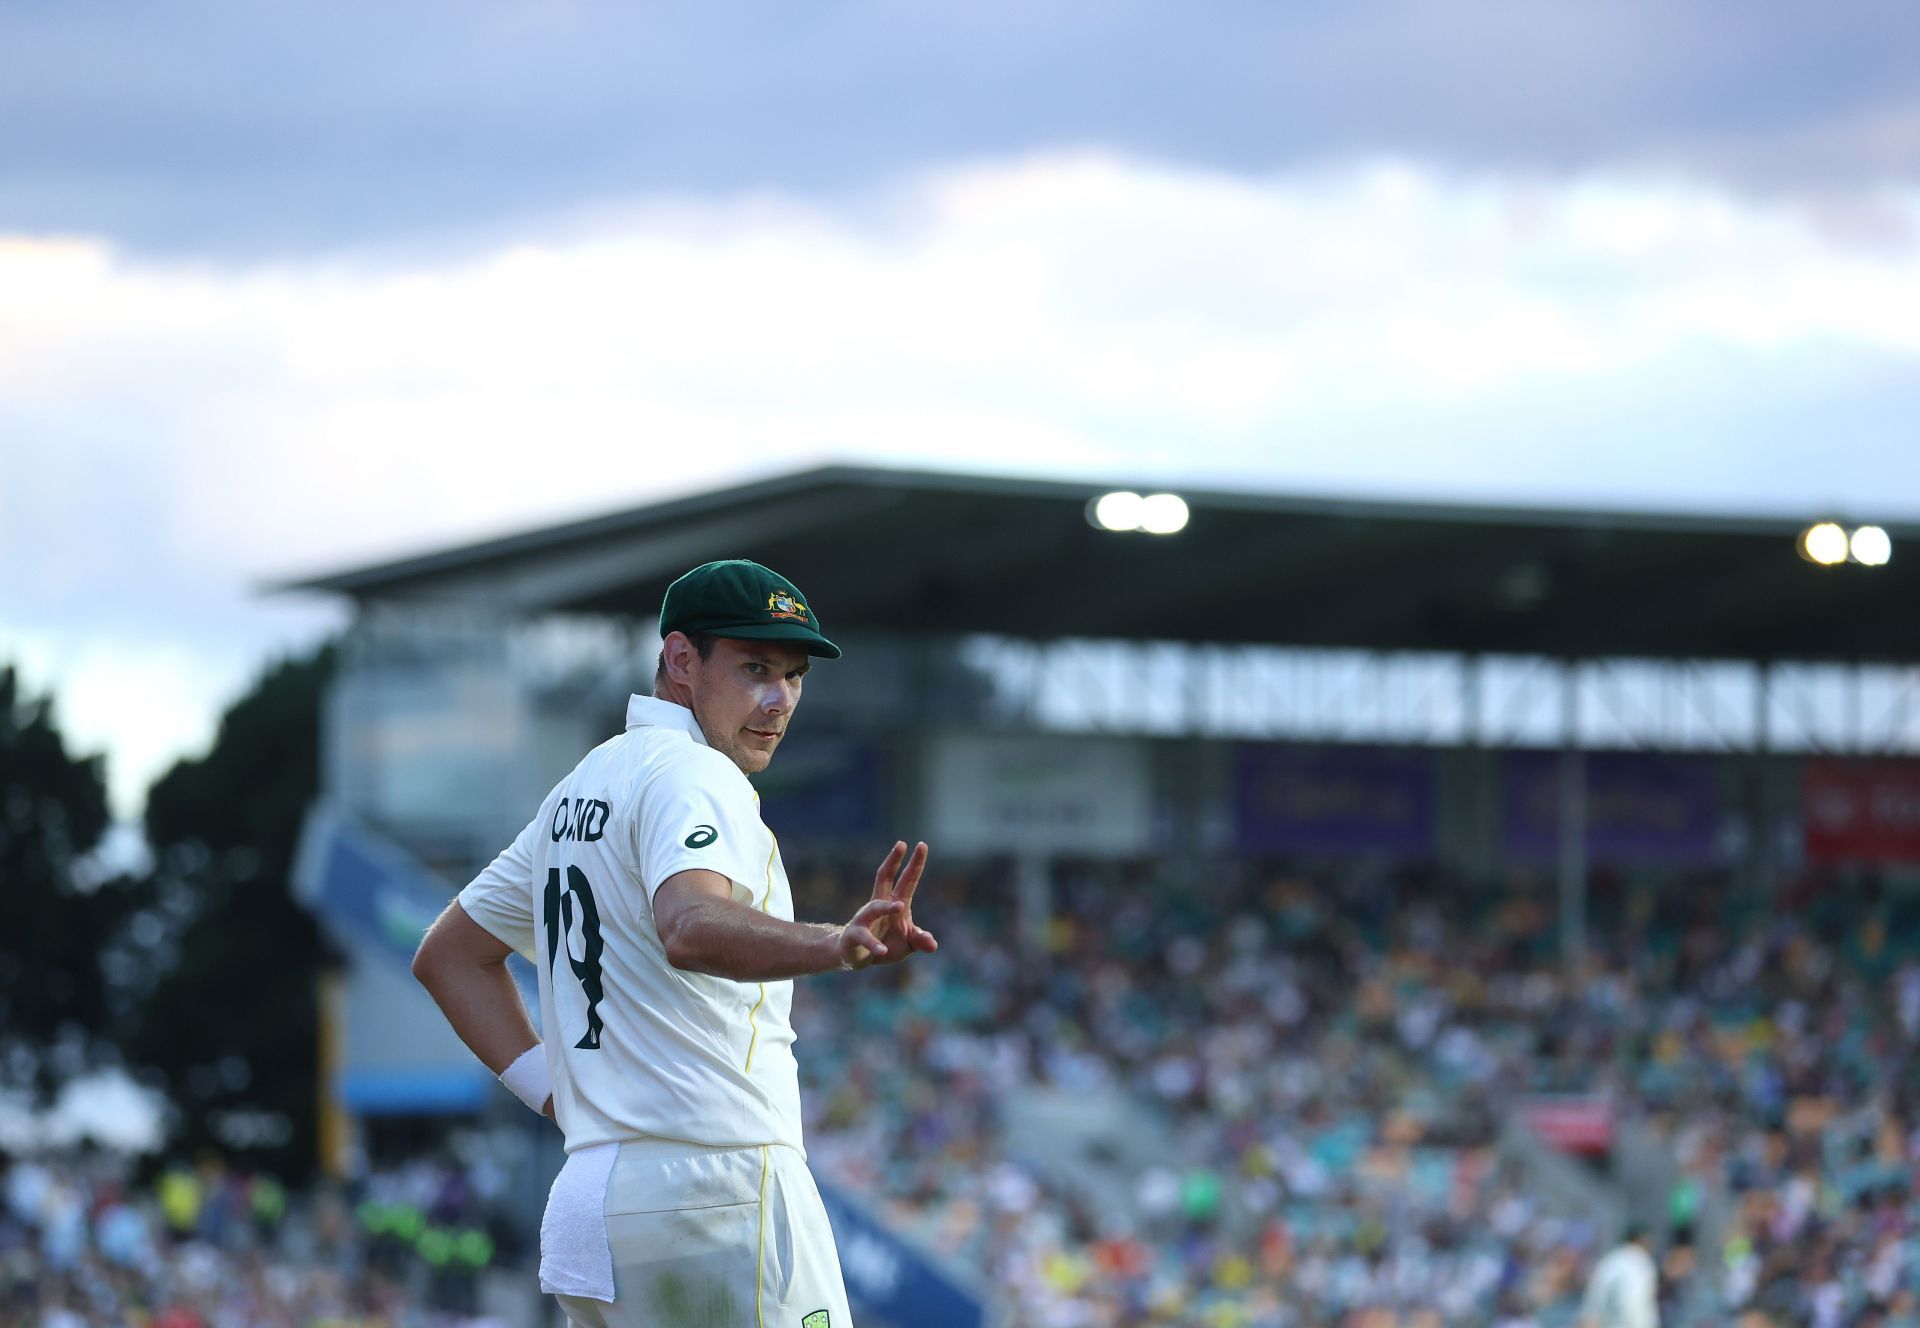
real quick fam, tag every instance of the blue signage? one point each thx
(360, 885)
(372, 897)
(1642, 807)
(825, 787)
(891, 1282)
(1334, 801)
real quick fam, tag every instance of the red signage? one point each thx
(1573, 1123)
(1861, 811)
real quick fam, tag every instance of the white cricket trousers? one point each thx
(716, 1238)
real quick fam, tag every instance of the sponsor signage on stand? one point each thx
(1861, 811)
(1334, 801)
(1642, 807)
(994, 793)
(891, 1280)
(1580, 1124)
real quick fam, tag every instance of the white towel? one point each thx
(575, 1259)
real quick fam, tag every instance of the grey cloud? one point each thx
(1826, 160)
(244, 128)
(1703, 435)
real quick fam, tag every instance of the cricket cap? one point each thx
(743, 600)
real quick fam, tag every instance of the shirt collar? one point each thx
(652, 712)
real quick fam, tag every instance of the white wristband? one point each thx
(529, 1078)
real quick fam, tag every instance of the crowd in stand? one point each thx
(1332, 1065)
(82, 1245)
(1780, 1059)
(1327, 1064)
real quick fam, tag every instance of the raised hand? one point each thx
(898, 881)
(883, 931)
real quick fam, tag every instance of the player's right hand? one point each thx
(887, 932)
(897, 879)
(860, 943)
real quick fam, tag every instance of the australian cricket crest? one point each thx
(783, 605)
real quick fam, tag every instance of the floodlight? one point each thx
(1824, 543)
(1118, 511)
(1163, 513)
(1871, 546)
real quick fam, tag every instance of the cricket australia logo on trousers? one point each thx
(817, 1319)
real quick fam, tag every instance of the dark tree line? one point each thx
(54, 1003)
(199, 976)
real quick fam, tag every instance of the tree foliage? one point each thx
(231, 1028)
(54, 1004)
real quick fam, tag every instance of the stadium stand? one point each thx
(1330, 1060)
(1222, 1087)
(202, 1246)
(1324, 1063)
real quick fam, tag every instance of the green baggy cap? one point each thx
(743, 600)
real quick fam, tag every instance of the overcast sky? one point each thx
(286, 287)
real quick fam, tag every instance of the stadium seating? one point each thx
(1333, 1058)
(206, 1247)
(1316, 1067)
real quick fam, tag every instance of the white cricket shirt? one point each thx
(638, 1047)
(1624, 1290)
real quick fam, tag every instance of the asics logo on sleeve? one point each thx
(702, 836)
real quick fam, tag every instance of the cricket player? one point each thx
(1624, 1289)
(653, 902)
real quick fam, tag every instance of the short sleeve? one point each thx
(702, 814)
(500, 898)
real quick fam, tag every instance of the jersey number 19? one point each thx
(560, 907)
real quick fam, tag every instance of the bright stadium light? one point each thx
(1163, 513)
(1872, 547)
(1157, 513)
(1824, 543)
(1118, 511)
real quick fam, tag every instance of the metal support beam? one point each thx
(1573, 824)
(1473, 734)
(1198, 662)
(1856, 708)
(1762, 846)
(1033, 883)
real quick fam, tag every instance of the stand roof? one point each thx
(918, 551)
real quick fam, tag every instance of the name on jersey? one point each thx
(582, 821)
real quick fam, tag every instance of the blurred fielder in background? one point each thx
(1624, 1290)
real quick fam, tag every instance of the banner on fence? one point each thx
(1861, 811)
(1642, 807)
(1334, 801)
